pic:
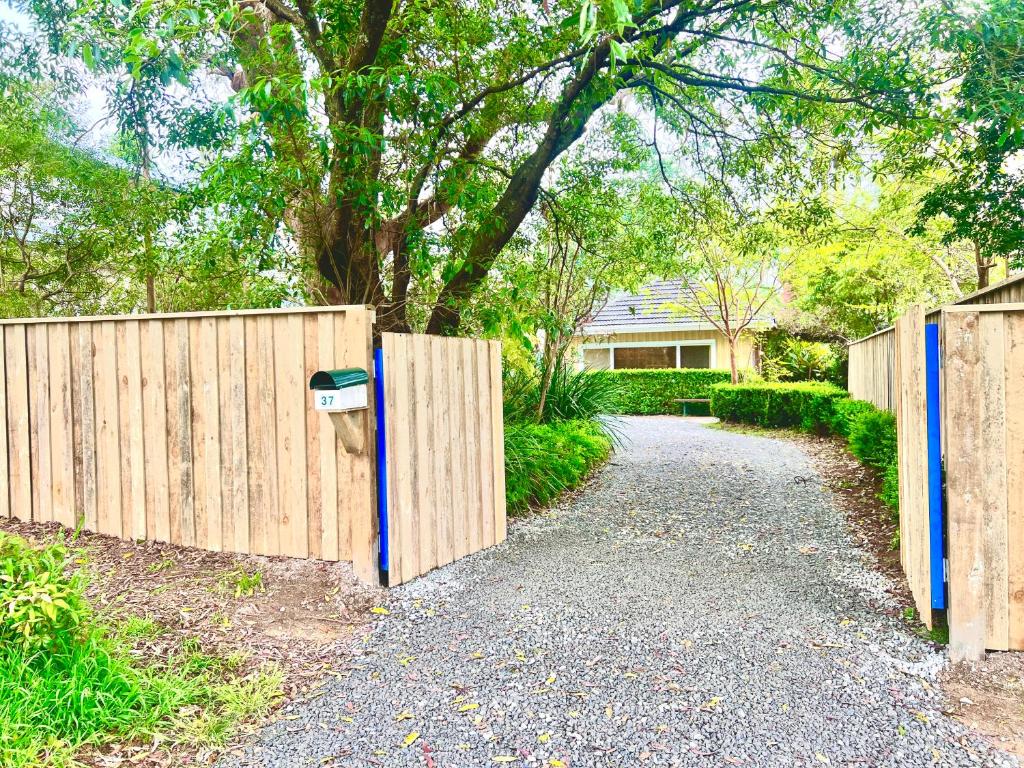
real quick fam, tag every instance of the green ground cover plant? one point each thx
(70, 681)
(870, 433)
(552, 448)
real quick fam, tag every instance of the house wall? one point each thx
(594, 351)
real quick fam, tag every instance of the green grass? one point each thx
(68, 680)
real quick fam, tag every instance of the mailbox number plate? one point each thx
(347, 399)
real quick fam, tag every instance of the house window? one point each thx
(645, 357)
(694, 357)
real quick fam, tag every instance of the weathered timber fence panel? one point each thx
(912, 437)
(872, 369)
(983, 396)
(193, 428)
(444, 448)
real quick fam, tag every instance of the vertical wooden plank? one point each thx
(131, 427)
(61, 439)
(403, 546)
(5, 477)
(474, 418)
(993, 458)
(482, 382)
(179, 432)
(85, 423)
(233, 452)
(262, 437)
(357, 506)
(314, 436)
(965, 481)
(441, 456)
(1013, 361)
(912, 437)
(17, 421)
(108, 445)
(498, 442)
(290, 407)
(456, 429)
(425, 442)
(330, 547)
(206, 432)
(154, 406)
(39, 422)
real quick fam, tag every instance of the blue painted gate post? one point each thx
(382, 463)
(936, 522)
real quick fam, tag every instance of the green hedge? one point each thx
(805, 405)
(643, 392)
(543, 460)
(870, 433)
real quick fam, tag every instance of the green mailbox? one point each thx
(339, 390)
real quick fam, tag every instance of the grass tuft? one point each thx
(67, 680)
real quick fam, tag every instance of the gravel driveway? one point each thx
(699, 605)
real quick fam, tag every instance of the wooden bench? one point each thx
(687, 400)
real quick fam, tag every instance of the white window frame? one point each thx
(611, 346)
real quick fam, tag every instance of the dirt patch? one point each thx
(299, 614)
(988, 697)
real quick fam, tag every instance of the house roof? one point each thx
(643, 311)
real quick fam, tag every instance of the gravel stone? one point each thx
(699, 604)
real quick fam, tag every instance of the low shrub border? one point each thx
(870, 433)
(544, 460)
(648, 392)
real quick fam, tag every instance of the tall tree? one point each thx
(409, 140)
(979, 146)
(732, 270)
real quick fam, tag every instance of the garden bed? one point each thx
(294, 617)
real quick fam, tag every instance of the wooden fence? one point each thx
(872, 369)
(445, 450)
(198, 429)
(983, 411)
(872, 365)
(965, 535)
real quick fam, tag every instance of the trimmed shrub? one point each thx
(544, 460)
(645, 392)
(806, 405)
(872, 438)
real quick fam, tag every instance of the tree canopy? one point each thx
(401, 145)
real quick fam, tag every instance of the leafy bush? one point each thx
(805, 405)
(543, 460)
(872, 438)
(39, 604)
(66, 680)
(572, 396)
(652, 391)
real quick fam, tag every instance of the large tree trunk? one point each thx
(734, 371)
(984, 267)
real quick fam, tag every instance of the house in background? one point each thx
(639, 331)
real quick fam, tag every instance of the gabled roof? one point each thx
(645, 311)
